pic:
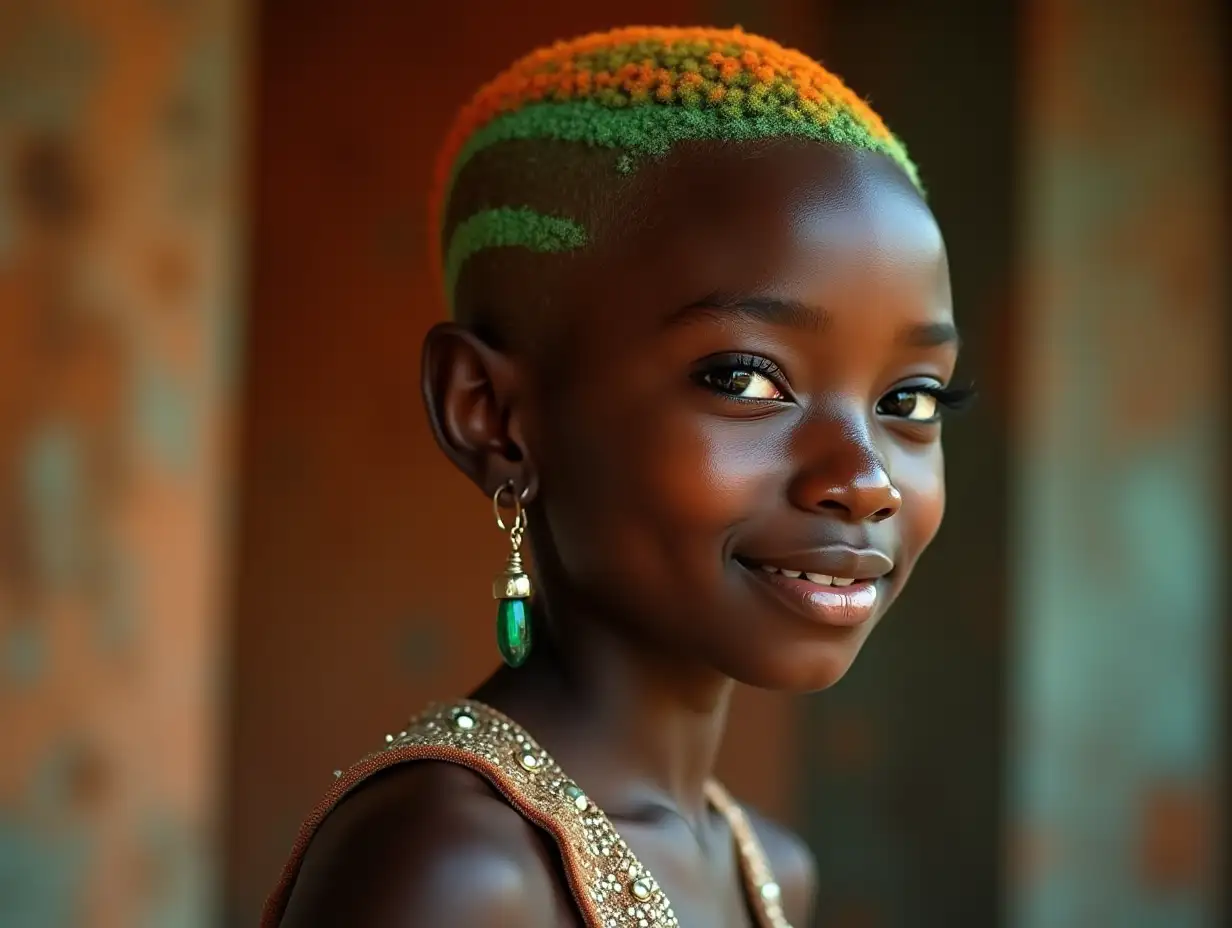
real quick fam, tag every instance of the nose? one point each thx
(867, 499)
(851, 484)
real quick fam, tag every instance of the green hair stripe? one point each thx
(509, 227)
(653, 130)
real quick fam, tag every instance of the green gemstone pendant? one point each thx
(512, 590)
(513, 631)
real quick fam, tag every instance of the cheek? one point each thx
(666, 479)
(712, 473)
(921, 480)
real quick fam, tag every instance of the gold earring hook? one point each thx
(519, 514)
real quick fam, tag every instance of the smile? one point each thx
(834, 601)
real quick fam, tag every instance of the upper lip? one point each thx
(833, 561)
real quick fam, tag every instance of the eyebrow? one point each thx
(797, 315)
(932, 335)
(791, 313)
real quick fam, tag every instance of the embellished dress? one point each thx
(610, 886)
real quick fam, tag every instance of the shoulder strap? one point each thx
(611, 887)
(765, 896)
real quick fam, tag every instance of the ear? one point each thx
(471, 392)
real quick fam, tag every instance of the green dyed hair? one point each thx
(639, 91)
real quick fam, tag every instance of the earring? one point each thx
(512, 588)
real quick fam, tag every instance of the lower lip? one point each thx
(843, 607)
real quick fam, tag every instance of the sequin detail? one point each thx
(610, 885)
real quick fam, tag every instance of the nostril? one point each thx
(882, 514)
(832, 504)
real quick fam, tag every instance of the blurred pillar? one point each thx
(1121, 401)
(118, 227)
(903, 763)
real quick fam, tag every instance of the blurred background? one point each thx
(231, 558)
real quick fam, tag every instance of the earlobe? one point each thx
(470, 392)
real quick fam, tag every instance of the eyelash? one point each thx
(956, 399)
(753, 362)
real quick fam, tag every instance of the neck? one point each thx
(635, 728)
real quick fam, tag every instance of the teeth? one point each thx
(819, 579)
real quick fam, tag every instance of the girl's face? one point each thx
(738, 442)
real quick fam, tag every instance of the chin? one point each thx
(798, 668)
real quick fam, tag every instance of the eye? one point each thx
(916, 404)
(745, 384)
(745, 378)
(923, 402)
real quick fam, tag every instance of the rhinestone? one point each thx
(577, 797)
(464, 720)
(528, 760)
(337, 774)
(770, 892)
(641, 888)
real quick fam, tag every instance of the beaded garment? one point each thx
(611, 887)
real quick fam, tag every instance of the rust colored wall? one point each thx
(118, 219)
(364, 558)
(1122, 571)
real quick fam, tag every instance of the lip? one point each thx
(835, 606)
(839, 607)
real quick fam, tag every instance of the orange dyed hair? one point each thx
(640, 90)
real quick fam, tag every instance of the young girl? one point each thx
(702, 338)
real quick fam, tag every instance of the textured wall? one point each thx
(361, 571)
(117, 231)
(1122, 474)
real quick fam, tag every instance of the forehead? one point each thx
(805, 221)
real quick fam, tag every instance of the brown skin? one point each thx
(652, 488)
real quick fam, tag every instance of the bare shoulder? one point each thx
(426, 844)
(795, 868)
